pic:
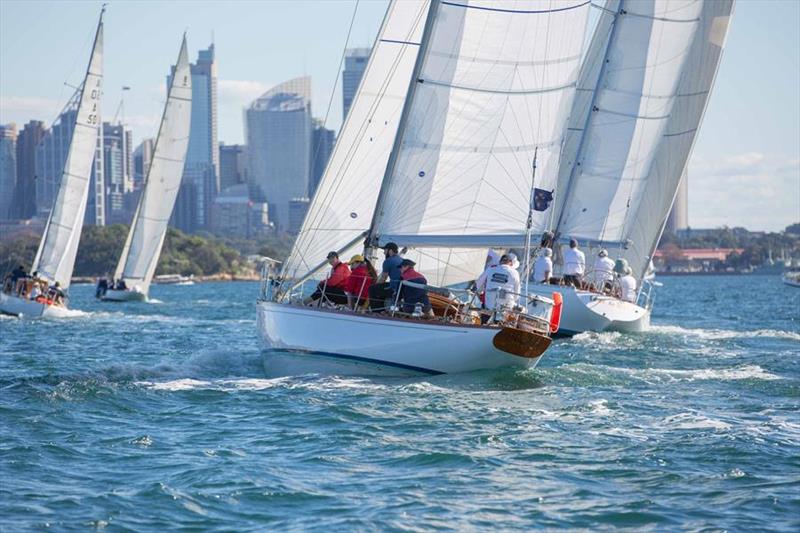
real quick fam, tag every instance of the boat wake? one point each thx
(581, 372)
(723, 334)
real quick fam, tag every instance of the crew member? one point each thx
(389, 280)
(413, 295)
(492, 260)
(543, 267)
(603, 270)
(358, 283)
(334, 286)
(574, 264)
(502, 285)
(56, 293)
(627, 284)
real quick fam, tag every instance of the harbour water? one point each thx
(149, 416)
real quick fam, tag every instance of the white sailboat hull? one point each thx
(112, 295)
(583, 311)
(300, 339)
(13, 305)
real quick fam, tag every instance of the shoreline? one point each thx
(91, 280)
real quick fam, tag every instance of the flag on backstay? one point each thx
(541, 199)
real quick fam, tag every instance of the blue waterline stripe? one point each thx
(398, 42)
(364, 360)
(526, 12)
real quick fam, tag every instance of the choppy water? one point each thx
(148, 416)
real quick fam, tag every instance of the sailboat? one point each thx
(51, 272)
(458, 101)
(139, 258)
(644, 87)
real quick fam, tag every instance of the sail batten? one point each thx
(145, 239)
(55, 257)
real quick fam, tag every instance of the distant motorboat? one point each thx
(174, 279)
(791, 278)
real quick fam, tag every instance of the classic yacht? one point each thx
(437, 154)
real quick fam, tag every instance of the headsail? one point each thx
(55, 258)
(634, 84)
(670, 161)
(146, 237)
(342, 208)
(496, 82)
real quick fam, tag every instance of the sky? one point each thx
(745, 169)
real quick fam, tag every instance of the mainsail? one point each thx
(55, 258)
(494, 84)
(342, 208)
(146, 237)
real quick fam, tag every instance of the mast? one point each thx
(529, 225)
(371, 239)
(595, 92)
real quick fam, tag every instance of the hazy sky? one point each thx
(746, 165)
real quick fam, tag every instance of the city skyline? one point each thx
(746, 162)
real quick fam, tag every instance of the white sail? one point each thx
(55, 258)
(635, 89)
(342, 208)
(149, 227)
(496, 83)
(680, 133)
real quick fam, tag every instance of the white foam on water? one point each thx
(722, 334)
(599, 408)
(661, 374)
(154, 301)
(694, 421)
(605, 338)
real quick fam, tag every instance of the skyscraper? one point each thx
(355, 62)
(279, 132)
(8, 168)
(321, 149)
(679, 216)
(200, 183)
(232, 162)
(117, 159)
(25, 191)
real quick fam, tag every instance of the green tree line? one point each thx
(101, 246)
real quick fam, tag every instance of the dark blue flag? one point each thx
(541, 199)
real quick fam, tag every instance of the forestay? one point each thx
(635, 89)
(670, 161)
(146, 237)
(342, 208)
(55, 257)
(496, 81)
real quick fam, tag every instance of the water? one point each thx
(147, 416)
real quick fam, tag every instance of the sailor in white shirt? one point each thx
(574, 264)
(543, 267)
(501, 277)
(627, 285)
(603, 270)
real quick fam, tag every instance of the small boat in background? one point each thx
(142, 249)
(791, 278)
(174, 279)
